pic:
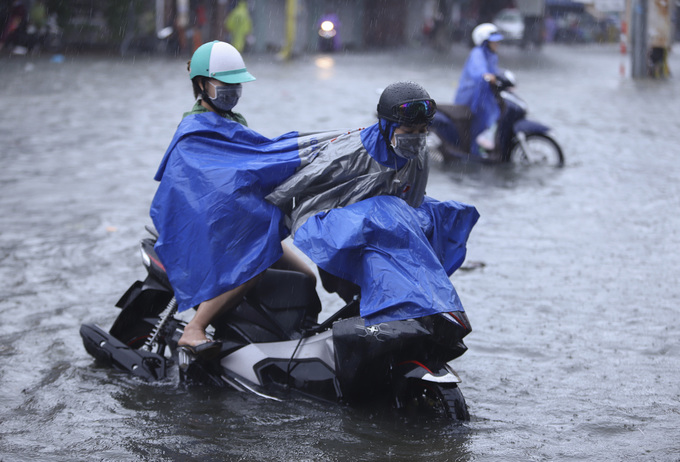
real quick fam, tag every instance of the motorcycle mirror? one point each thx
(510, 76)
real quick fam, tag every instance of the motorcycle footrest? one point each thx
(112, 352)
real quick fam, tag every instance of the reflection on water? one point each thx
(325, 69)
(324, 62)
(574, 352)
(236, 426)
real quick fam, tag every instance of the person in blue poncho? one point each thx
(387, 158)
(360, 212)
(474, 88)
(196, 232)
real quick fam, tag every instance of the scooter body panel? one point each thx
(529, 126)
(112, 352)
(249, 361)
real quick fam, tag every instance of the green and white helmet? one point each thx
(220, 61)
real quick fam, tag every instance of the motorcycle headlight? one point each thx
(146, 260)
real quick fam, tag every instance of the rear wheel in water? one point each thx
(444, 400)
(537, 149)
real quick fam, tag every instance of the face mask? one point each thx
(409, 145)
(226, 96)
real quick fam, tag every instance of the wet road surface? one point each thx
(575, 353)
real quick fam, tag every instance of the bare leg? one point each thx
(194, 331)
(292, 262)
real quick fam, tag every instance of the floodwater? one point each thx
(575, 353)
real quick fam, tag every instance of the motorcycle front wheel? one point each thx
(537, 149)
(422, 397)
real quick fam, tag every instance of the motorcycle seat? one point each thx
(281, 290)
(456, 112)
(461, 116)
(279, 307)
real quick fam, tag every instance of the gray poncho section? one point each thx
(343, 173)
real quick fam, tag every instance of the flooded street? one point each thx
(575, 349)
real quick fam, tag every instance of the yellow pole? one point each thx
(291, 15)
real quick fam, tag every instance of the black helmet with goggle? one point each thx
(406, 103)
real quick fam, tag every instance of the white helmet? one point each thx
(221, 61)
(484, 32)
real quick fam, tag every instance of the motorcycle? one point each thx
(517, 139)
(327, 36)
(272, 344)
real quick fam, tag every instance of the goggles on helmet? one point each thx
(414, 112)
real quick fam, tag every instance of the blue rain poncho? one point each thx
(216, 231)
(475, 92)
(401, 257)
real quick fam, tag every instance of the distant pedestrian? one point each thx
(239, 26)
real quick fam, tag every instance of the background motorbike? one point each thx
(517, 140)
(272, 343)
(327, 39)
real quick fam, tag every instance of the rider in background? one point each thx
(216, 71)
(474, 89)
